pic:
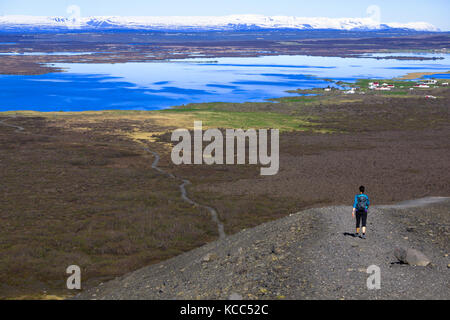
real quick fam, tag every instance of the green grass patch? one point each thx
(247, 120)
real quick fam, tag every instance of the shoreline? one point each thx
(35, 65)
(305, 93)
(418, 75)
(116, 48)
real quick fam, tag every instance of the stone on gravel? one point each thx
(412, 257)
(209, 257)
(235, 296)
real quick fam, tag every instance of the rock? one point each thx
(235, 296)
(400, 254)
(209, 257)
(412, 257)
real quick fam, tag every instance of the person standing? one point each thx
(360, 207)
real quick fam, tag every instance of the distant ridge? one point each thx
(212, 23)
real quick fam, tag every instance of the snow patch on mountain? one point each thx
(207, 22)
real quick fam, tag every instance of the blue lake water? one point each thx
(62, 53)
(157, 85)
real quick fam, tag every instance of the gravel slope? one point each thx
(306, 255)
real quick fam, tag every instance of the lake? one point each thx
(158, 85)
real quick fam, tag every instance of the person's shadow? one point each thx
(349, 234)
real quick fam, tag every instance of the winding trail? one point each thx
(184, 195)
(18, 128)
(182, 186)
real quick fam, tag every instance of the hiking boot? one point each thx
(356, 235)
(363, 236)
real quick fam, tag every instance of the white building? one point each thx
(351, 91)
(429, 81)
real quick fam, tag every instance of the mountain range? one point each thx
(202, 23)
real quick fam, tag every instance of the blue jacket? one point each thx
(356, 200)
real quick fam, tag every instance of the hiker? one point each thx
(360, 207)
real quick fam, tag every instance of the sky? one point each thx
(435, 12)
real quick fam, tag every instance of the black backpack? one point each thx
(361, 203)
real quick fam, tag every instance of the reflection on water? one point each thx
(63, 53)
(156, 85)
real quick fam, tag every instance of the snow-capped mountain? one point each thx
(232, 22)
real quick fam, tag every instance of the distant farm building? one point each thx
(428, 82)
(351, 91)
(377, 86)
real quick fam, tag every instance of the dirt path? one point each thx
(184, 194)
(156, 156)
(415, 203)
(18, 128)
(307, 255)
(338, 262)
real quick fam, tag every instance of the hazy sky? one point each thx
(432, 11)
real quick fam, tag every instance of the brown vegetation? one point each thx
(79, 188)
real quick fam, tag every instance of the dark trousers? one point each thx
(361, 217)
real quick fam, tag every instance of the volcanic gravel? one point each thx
(307, 255)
